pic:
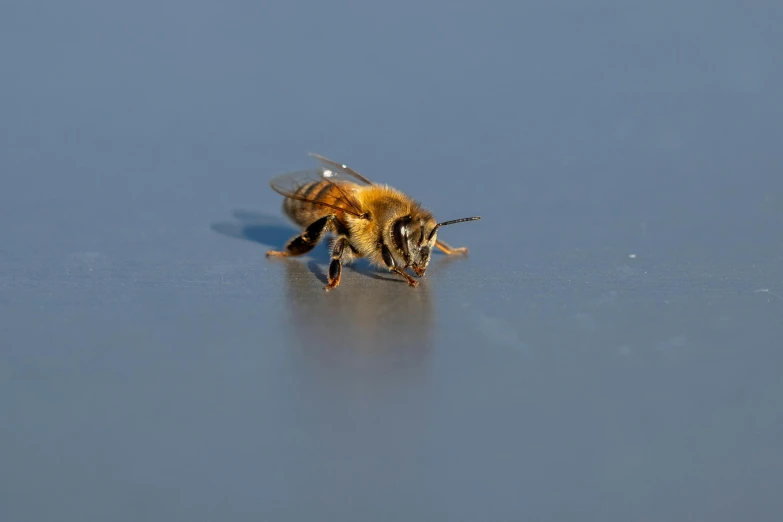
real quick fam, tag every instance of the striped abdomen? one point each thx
(304, 212)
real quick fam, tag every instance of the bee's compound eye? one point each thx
(400, 232)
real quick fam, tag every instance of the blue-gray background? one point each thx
(610, 350)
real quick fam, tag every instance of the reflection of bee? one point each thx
(368, 220)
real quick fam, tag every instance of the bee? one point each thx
(367, 220)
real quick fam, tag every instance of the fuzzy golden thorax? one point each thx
(396, 221)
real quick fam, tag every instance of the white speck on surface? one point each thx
(768, 291)
(632, 256)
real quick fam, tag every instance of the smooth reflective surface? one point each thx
(609, 350)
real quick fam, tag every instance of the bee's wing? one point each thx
(288, 185)
(338, 170)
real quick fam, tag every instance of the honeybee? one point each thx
(368, 220)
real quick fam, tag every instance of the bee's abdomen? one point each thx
(305, 212)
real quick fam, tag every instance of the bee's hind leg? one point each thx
(450, 250)
(336, 265)
(306, 241)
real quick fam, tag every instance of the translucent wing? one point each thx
(342, 183)
(341, 170)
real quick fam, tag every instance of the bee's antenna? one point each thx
(451, 223)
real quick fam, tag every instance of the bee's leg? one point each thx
(450, 250)
(306, 241)
(409, 279)
(336, 265)
(391, 265)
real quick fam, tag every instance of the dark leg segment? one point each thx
(391, 265)
(306, 241)
(336, 266)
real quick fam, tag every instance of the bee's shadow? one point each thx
(274, 232)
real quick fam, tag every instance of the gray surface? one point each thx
(155, 366)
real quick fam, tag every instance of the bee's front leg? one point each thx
(409, 279)
(450, 250)
(391, 265)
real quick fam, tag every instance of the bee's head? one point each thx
(415, 239)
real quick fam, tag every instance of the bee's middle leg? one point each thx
(336, 265)
(306, 241)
